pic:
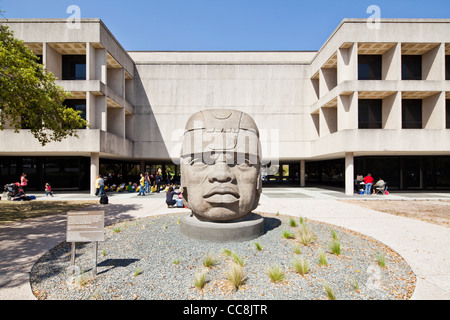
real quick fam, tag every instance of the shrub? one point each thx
(236, 276)
(330, 293)
(300, 266)
(226, 252)
(322, 259)
(137, 272)
(275, 273)
(257, 246)
(237, 259)
(306, 235)
(335, 247)
(209, 261)
(292, 222)
(297, 250)
(200, 280)
(302, 221)
(381, 260)
(287, 234)
(334, 234)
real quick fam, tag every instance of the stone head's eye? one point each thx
(196, 161)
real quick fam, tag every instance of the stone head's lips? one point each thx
(221, 195)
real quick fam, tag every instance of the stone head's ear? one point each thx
(185, 196)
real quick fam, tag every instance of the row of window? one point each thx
(369, 67)
(76, 104)
(73, 66)
(370, 114)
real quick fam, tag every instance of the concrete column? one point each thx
(327, 80)
(347, 63)
(327, 121)
(100, 112)
(53, 61)
(349, 174)
(116, 80)
(433, 63)
(90, 110)
(391, 113)
(302, 173)
(90, 62)
(95, 169)
(101, 72)
(391, 63)
(347, 111)
(433, 111)
(116, 121)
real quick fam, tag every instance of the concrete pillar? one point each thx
(53, 61)
(90, 62)
(95, 169)
(433, 63)
(349, 174)
(327, 80)
(347, 63)
(90, 110)
(116, 80)
(302, 173)
(101, 72)
(327, 121)
(100, 112)
(347, 111)
(391, 63)
(391, 113)
(433, 111)
(116, 121)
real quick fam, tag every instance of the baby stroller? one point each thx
(15, 192)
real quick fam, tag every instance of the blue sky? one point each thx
(224, 24)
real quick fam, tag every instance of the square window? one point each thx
(369, 113)
(73, 67)
(411, 67)
(412, 114)
(369, 67)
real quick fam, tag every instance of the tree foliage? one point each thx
(29, 97)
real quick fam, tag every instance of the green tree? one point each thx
(29, 97)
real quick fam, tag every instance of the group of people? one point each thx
(145, 183)
(370, 187)
(24, 185)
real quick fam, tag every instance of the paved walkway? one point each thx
(423, 245)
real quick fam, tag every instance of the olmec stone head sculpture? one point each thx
(220, 165)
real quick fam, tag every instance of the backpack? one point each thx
(104, 199)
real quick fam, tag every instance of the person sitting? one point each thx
(130, 187)
(379, 186)
(169, 197)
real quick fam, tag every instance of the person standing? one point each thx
(24, 182)
(101, 184)
(48, 190)
(147, 182)
(368, 181)
(158, 179)
(97, 185)
(142, 186)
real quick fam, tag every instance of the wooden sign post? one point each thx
(85, 226)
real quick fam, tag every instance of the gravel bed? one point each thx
(150, 259)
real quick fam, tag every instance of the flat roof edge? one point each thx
(47, 20)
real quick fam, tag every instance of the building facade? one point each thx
(370, 100)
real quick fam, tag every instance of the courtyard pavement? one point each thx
(423, 245)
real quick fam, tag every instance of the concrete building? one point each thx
(370, 100)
